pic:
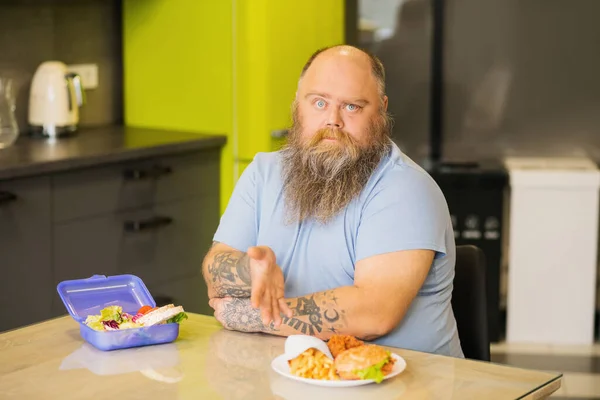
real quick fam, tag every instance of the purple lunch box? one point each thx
(83, 297)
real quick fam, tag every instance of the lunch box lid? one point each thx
(83, 297)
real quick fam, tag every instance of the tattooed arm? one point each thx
(255, 274)
(318, 315)
(227, 272)
(384, 286)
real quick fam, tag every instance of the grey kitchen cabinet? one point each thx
(181, 250)
(111, 188)
(182, 246)
(97, 246)
(151, 216)
(26, 286)
(161, 244)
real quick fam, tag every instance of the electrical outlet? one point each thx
(88, 74)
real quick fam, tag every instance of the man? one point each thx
(339, 232)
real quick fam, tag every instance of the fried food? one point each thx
(364, 362)
(340, 343)
(313, 364)
(353, 360)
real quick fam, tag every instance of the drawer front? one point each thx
(194, 175)
(180, 246)
(106, 189)
(100, 246)
(159, 244)
(25, 248)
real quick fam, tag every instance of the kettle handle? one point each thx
(75, 80)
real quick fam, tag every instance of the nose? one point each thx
(334, 119)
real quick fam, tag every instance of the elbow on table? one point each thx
(376, 328)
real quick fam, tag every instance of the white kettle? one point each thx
(54, 100)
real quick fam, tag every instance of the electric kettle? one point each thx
(54, 100)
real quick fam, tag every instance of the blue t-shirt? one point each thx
(400, 208)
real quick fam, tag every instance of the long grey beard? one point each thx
(320, 181)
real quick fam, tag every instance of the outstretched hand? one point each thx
(267, 285)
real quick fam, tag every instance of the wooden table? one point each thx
(50, 360)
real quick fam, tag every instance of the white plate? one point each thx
(280, 365)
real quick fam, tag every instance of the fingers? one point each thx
(257, 294)
(276, 312)
(285, 309)
(266, 313)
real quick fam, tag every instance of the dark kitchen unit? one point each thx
(475, 193)
(111, 200)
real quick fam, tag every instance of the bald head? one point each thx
(341, 53)
(341, 88)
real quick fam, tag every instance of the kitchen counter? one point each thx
(207, 362)
(89, 147)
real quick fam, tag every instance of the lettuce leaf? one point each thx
(177, 318)
(128, 325)
(373, 372)
(92, 318)
(95, 325)
(112, 313)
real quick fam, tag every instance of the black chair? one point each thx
(469, 302)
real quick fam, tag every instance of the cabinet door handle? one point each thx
(7, 197)
(151, 173)
(147, 224)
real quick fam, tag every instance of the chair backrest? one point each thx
(469, 302)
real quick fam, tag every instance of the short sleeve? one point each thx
(238, 226)
(406, 211)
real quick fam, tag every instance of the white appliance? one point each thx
(552, 250)
(54, 100)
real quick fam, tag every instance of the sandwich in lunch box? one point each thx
(113, 318)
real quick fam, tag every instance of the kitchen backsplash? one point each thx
(71, 31)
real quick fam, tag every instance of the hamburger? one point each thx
(364, 362)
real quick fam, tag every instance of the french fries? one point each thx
(313, 364)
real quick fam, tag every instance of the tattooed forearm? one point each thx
(321, 314)
(305, 306)
(243, 269)
(317, 315)
(346, 310)
(238, 314)
(228, 272)
(232, 291)
(226, 267)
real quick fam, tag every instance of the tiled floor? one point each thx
(580, 366)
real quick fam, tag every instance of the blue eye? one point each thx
(352, 107)
(320, 104)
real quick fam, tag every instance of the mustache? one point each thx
(349, 145)
(330, 133)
